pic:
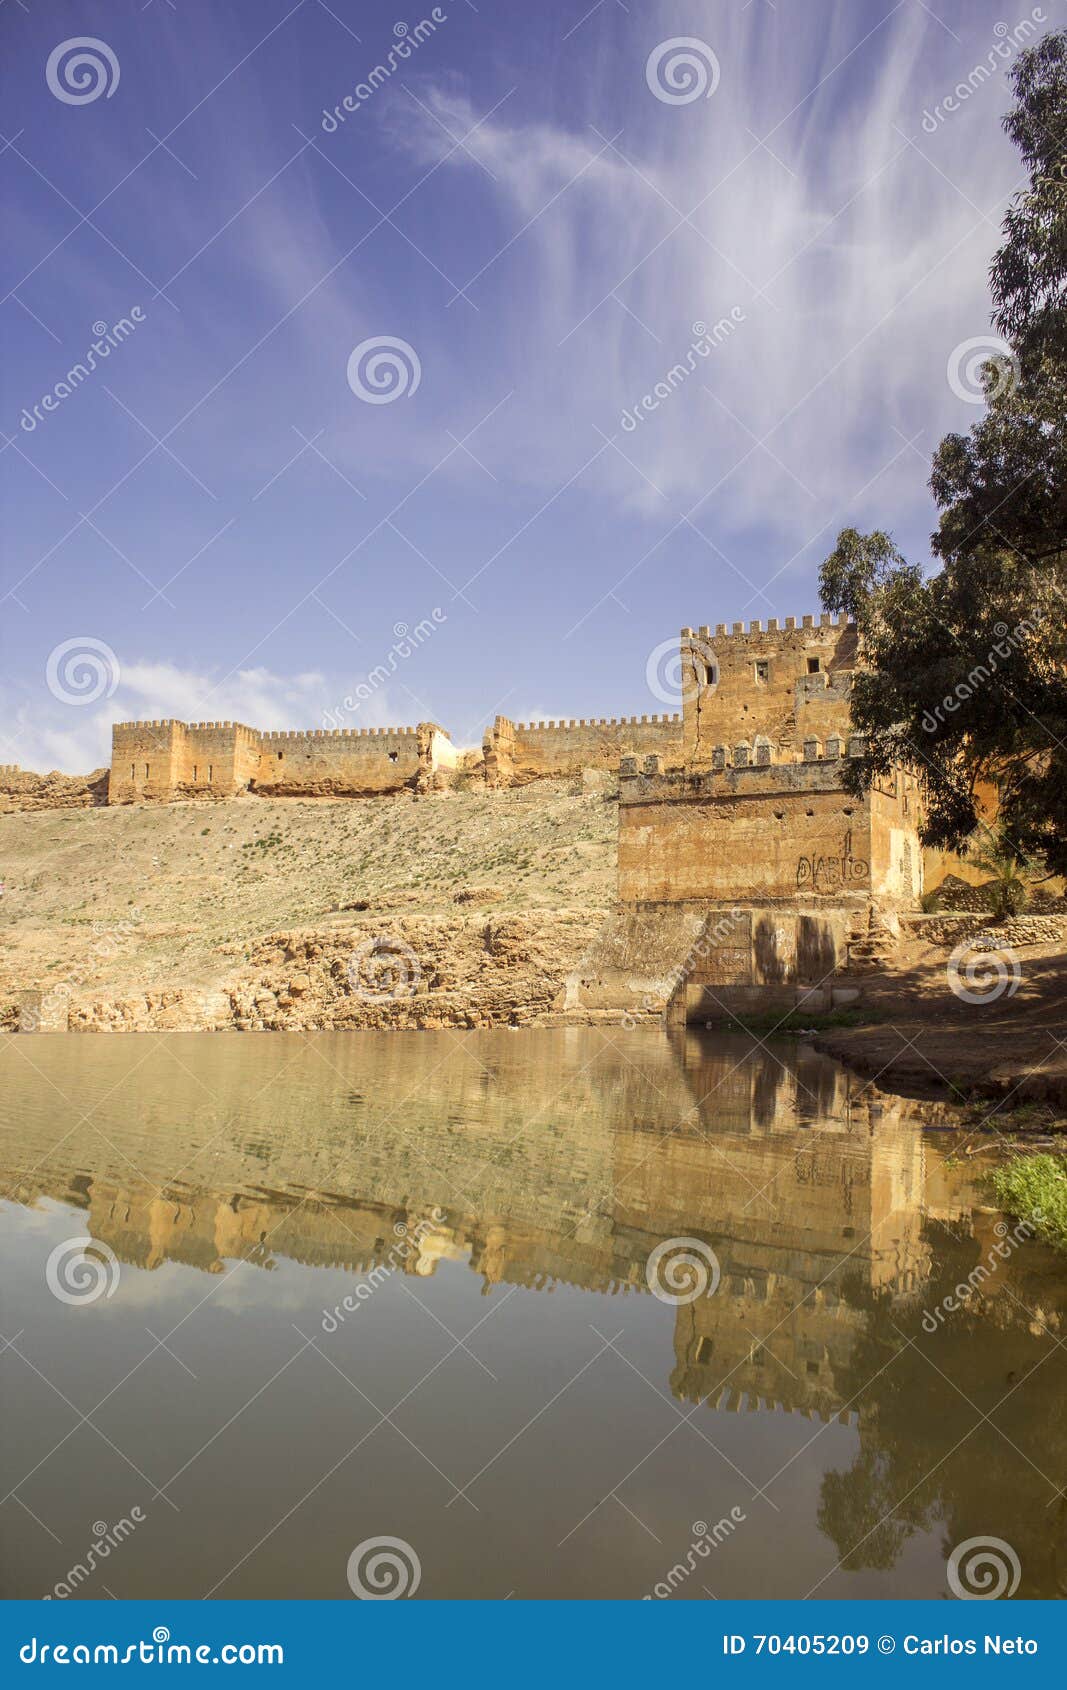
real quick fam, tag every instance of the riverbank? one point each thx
(921, 1038)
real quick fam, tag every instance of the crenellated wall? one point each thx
(340, 762)
(156, 762)
(781, 680)
(521, 751)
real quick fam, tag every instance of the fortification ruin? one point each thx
(158, 762)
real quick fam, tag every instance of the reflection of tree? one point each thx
(925, 1454)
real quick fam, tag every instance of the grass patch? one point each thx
(794, 1021)
(1034, 1189)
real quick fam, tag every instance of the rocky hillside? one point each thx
(250, 912)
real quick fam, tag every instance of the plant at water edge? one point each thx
(1034, 1188)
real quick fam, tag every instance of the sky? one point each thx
(449, 359)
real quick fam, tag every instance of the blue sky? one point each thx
(217, 507)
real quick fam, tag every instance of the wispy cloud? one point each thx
(797, 194)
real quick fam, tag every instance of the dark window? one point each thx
(813, 665)
(392, 756)
(210, 772)
(133, 771)
(194, 774)
(280, 755)
(762, 671)
(146, 771)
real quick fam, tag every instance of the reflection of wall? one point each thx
(811, 1196)
(808, 1186)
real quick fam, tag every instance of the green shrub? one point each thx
(1034, 1188)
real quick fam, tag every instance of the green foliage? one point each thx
(968, 669)
(994, 855)
(1034, 1188)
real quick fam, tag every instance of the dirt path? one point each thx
(925, 1038)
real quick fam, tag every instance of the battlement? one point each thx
(9, 769)
(758, 629)
(284, 734)
(522, 751)
(567, 725)
(753, 695)
(754, 756)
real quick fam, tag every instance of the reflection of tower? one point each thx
(809, 1205)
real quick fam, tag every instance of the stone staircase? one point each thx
(871, 945)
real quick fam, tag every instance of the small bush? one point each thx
(1034, 1188)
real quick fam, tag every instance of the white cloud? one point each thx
(74, 738)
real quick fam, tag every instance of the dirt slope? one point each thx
(116, 903)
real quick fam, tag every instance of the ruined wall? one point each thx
(21, 789)
(781, 682)
(156, 762)
(340, 761)
(518, 751)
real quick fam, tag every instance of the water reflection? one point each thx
(559, 1161)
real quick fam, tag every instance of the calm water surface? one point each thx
(351, 1286)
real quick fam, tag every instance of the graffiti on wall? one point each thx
(832, 873)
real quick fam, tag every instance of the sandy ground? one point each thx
(924, 1038)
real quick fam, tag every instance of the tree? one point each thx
(967, 676)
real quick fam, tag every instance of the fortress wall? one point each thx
(342, 761)
(779, 845)
(218, 759)
(897, 863)
(146, 761)
(161, 761)
(525, 750)
(771, 678)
